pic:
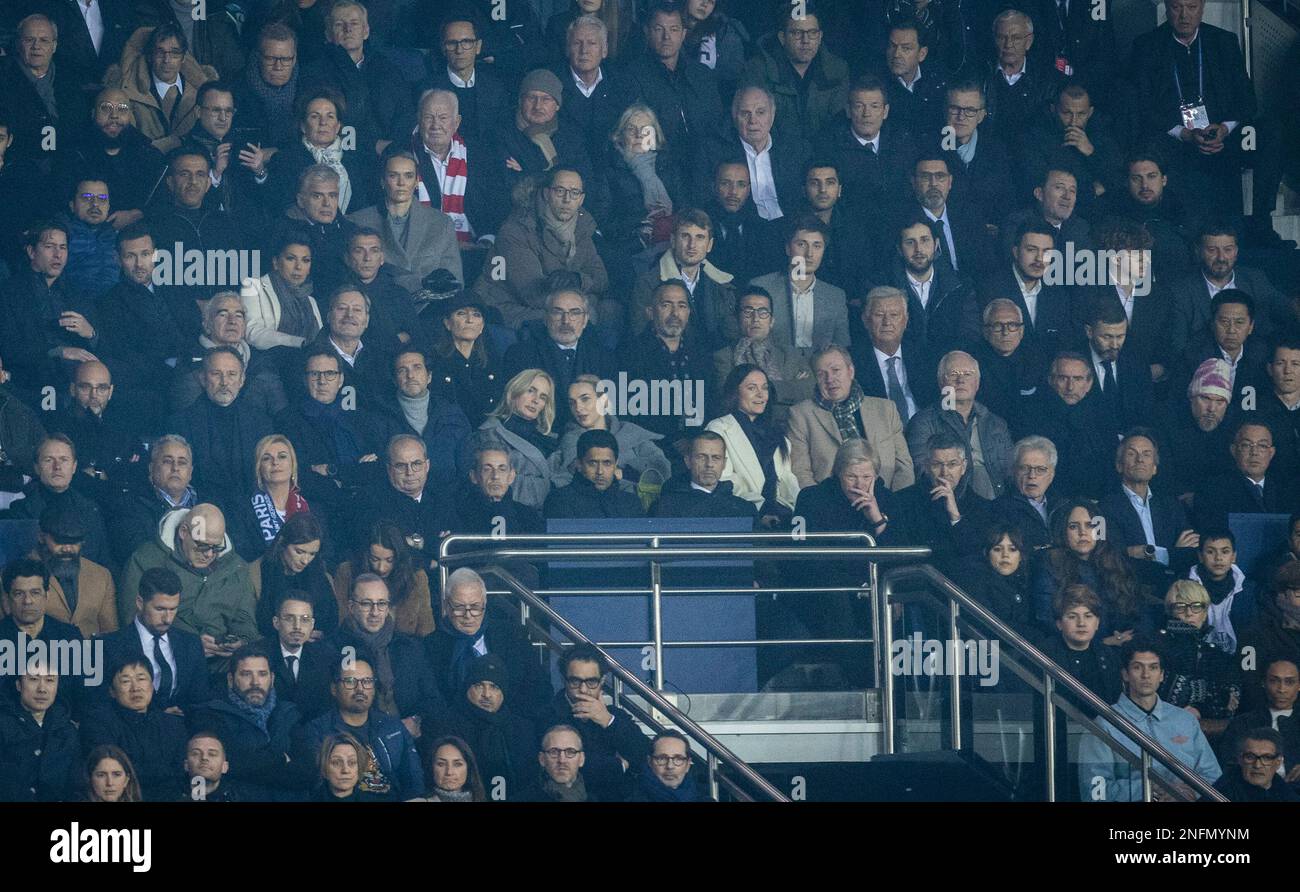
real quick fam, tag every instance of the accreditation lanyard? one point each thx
(1200, 74)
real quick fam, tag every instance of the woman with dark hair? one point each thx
(523, 422)
(484, 714)
(321, 113)
(455, 772)
(589, 410)
(1200, 676)
(279, 309)
(718, 42)
(386, 554)
(341, 763)
(291, 565)
(1080, 553)
(110, 776)
(758, 451)
(465, 366)
(999, 577)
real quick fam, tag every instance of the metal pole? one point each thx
(954, 687)
(1146, 776)
(657, 617)
(875, 618)
(1246, 42)
(1049, 725)
(713, 777)
(884, 648)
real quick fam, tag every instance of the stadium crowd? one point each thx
(288, 295)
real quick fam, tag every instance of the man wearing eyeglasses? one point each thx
(301, 666)
(478, 88)
(1018, 88)
(92, 240)
(394, 773)
(405, 687)
(469, 628)
(1276, 695)
(412, 497)
(810, 82)
(979, 157)
(266, 97)
(1255, 778)
(609, 736)
(107, 441)
(233, 166)
(756, 346)
(552, 233)
(161, 79)
(666, 775)
(561, 779)
(566, 347)
(217, 600)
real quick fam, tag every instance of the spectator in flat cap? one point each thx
(81, 591)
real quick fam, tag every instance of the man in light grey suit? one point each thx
(807, 314)
(417, 239)
(839, 411)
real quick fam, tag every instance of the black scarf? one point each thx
(766, 438)
(331, 420)
(296, 317)
(521, 427)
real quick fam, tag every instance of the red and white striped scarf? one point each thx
(453, 186)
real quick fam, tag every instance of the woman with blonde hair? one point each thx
(341, 763)
(1200, 676)
(644, 184)
(522, 422)
(276, 499)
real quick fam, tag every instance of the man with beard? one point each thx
(45, 327)
(942, 313)
(316, 206)
(440, 423)
(484, 716)
(393, 773)
(56, 469)
(417, 239)
(190, 223)
(687, 259)
(703, 493)
(1219, 271)
(121, 154)
(180, 674)
(92, 241)
(551, 232)
(137, 511)
(564, 348)
(107, 441)
(594, 490)
(664, 353)
(1056, 198)
(404, 686)
(848, 255)
(794, 382)
(742, 240)
(81, 592)
(1123, 375)
(301, 664)
(133, 720)
(1061, 413)
(1146, 199)
(255, 726)
(1197, 430)
(962, 238)
(222, 428)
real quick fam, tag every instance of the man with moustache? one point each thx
(92, 240)
(742, 240)
(664, 352)
(255, 726)
(1147, 199)
(1045, 309)
(687, 259)
(120, 154)
(942, 312)
(1197, 429)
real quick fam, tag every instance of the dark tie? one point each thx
(1108, 378)
(164, 670)
(894, 387)
(293, 666)
(1258, 490)
(169, 102)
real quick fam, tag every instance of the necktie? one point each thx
(169, 102)
(1258, 490)
(1108, 378)
(1062, 11)
(293, 666)
(894, 387)
(164, 670)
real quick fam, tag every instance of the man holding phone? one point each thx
(237, 153)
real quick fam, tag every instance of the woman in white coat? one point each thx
(758, 451)
(279, 308)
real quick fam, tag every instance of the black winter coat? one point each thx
(257, 758)
(38, 763)
(602, 771)
(504, 743)
(415, 691)
(680, 499)
(154, 741)
(581, 499)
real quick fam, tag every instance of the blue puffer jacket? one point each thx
(92, 258)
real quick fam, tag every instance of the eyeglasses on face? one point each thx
(328, 375)
(567, 194)
(587, 684)
(206, 548)
(351, 684)
(558, 314)
(964, 111)
(1259, 758)
(665, 761)
(369, 605)
(463, 610)
(1005, 327)
(1188, 608)
(556, 753)
(465, 44)
(756, 313)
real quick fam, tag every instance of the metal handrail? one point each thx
(712, 746)
(958, 601)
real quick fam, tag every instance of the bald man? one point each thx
(106, 439)
(217, 600)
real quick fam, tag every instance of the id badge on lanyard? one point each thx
(1193, 112)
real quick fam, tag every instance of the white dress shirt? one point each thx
(585, 90)
(874, 142)
(161, 89)
(285, 653)
(1126, 301)
(1030, 296)
(762, 183)
(1143, 508)
(921, 289)
(460, 84)
(801, 303)
(1215, 289)
(1099, 369)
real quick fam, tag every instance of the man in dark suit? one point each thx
(39, 95)
(1281, 682)
(1073, 41)
(1279, 402)
(980, 158)
(1249, 487)
(301, 666)
(872, 153)
(1062, 413)
(1217, 245)
(887, 365)
(595, 94)
(1124, 390)
(1018, 90)
(917, 93)
(744, 244)
(480, 94)
(1230, 336)
(941, 305)
(776, 166)
(1055, 201)
(1128, 283)
(1187, 72)
(180, 672)
(1075, 137)
(1147, 524)
(964, 242)
(1045, 309)
(86, 55)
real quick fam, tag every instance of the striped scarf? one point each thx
(453, 186)
(845, 412)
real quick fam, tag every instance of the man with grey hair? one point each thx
(1029, 501)
(453, 172)
(470, 628)
(776, 167)
(225, 324)
(988, 443)
(136, 511)
(422, 509)
(38, 93)
(888, 368)
(1017, 92)
(594, 94)
(1010, 368)
(316, 206)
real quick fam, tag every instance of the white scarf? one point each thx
(332, 157)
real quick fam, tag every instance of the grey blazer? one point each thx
(430, 243)
(830, 313)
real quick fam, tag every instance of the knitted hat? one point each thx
(544, 81)
(488, 668)
(1211, 379)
